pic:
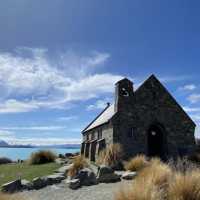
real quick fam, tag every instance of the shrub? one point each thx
(111, 156)
(151, 182)
(9, 197)
(182, 165)
(137, 163)
(41, 157)
(4, 160)
(79, 163)
(185, 186)
(157, 172)
(141, 189)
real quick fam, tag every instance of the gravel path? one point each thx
(101, 191)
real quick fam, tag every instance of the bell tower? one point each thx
(124, 95)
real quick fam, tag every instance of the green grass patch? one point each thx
(10, 172)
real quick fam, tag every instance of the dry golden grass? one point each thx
(137, 163)
(157, 172)
(141, 189)
(111, 156)
(9, 197)
(160, 181)
(101, 157)
(185, 186)
(41, 157)
(79, 163)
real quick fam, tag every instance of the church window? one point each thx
(131, 132)
(92, 136)
(87, 137)
(99, 133)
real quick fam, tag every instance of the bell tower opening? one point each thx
(123, 95)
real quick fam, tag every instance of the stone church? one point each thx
(146, 121)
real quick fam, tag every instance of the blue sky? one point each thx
(59, 61)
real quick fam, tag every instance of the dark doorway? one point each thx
(155, 141)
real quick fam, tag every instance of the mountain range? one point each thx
(5, 144)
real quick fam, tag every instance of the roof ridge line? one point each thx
(96, 117)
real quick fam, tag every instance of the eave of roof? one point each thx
(102, 118)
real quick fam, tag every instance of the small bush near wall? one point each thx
(136, 163)
(79, 163)
(42, 157)
(111, 156)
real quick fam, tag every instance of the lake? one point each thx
(24, 153)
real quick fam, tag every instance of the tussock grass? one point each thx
(79, 163)
(9, 197)
(159, 181)
(157, 172)
(137, 163)
(185, 186)
(141, 189)
(111, 156)
(42, 157)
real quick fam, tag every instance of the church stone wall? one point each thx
(154, 105)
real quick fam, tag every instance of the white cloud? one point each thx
(5, 133)
(191, 109)
(194, 98)
(14, 106)
(30, 80)
(189, 87)
(100, 104)
(35, 128)
(168, 79)
(42, 141)
(68, 118)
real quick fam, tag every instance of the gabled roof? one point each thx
(109, 111)
(102, 118)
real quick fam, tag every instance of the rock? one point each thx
(67, 155)
(119, 173)
(106, 175)
(26, 185)
(87, 177)
(61, 155)
(103, 169)
(39, 183)
(53, 179)
(128, 175)
(64, 169)
(11, 187)
(61, 161)
(74, 184)
(118, 166)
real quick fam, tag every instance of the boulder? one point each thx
(86, 176)
(53, 179)
(61, 161)
(67, 155)
(39, 183)
(73, 184)
(119, 173)
(11, 187)
(106, 175)
(26, 185)
(128, 175)
(64, 169)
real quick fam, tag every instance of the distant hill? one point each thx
(62, 146)
(3, 144)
